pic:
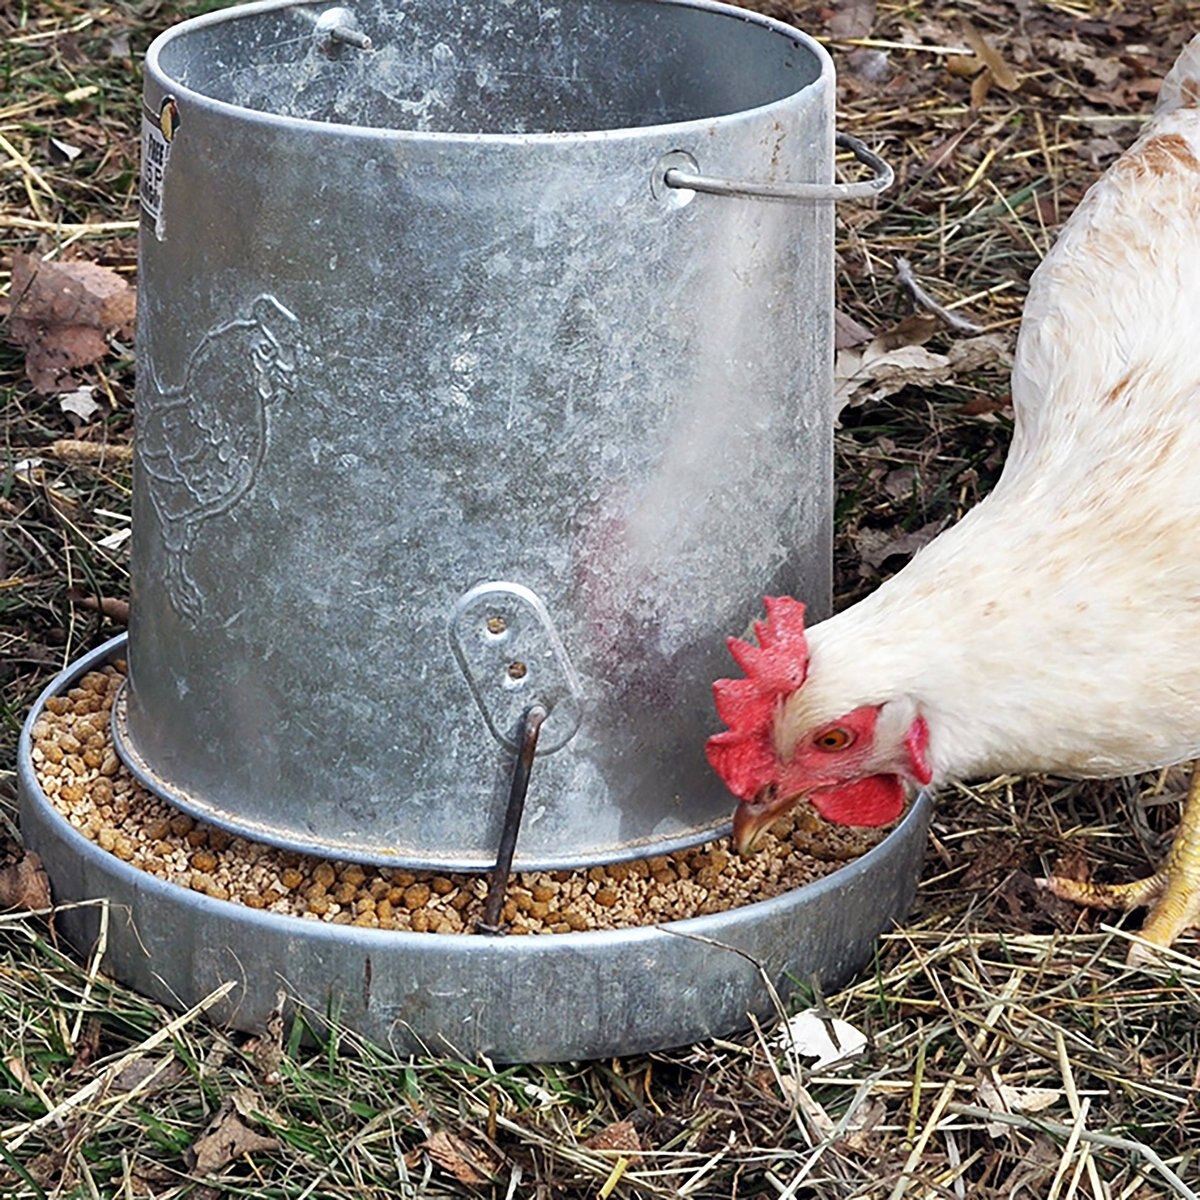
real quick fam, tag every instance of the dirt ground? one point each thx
(1010, 1052)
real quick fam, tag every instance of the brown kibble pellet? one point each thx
(197, 836)
(543, 891)
(291, 878)
(182, 824)
(606, 897)
(204, 860)
(441, 885)
(416, 896)
(157, 828)
(354, 874)
(324, 874)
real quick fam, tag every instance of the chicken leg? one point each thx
(1173, 891)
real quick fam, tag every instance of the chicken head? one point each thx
(853, 768)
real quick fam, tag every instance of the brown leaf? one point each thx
(115, 610)
(459, 1158)
(24, 884)
(848, 332)
(140, 1070)
(87, 1045)
(620, 1135)
(1002, 73)
(905, 545)
(980, 86)
(963, 65)
(852, 18)
(226, 1139)
(914, 330)
(60, 314)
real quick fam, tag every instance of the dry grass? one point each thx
(1012, 1053)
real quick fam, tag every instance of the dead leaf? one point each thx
(24, 884)
(866, 375)
(1005, 1098)
(914, 330)
(61, 151)
(459, 1158)
(225, 1139)
(851, 18)
(862, 1125)
(620, 1135)
(980, 86)
(87, 1045)
(847, 331)
(60, 314)
(141, 1070)
(991, 58)
(267, 1050)
(827, 1040)
(963, 66)
(81, 403)
(876, 546)
(114, 609)
(970, 354)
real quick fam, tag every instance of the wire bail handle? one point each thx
(677, 176)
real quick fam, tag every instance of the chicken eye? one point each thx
(833, 739)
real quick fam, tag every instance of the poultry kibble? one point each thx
(108, 806)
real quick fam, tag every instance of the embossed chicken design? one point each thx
(200, 443)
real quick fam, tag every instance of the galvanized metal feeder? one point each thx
(484, 385)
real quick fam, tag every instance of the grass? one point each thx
(1012, 1053)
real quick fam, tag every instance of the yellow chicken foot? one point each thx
(1174, 890)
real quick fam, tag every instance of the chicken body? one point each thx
(1056, 628)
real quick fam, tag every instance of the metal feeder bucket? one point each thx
(484, 363)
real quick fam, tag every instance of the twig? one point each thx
(923, 299)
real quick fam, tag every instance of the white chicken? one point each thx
(1056, 628)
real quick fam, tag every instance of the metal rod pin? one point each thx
(493, 905)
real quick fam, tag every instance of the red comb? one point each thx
(743, 754)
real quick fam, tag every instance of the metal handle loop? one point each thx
(863, 190)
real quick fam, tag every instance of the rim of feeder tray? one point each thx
(547, 997)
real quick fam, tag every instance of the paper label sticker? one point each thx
(158, 131)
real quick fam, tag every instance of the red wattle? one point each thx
(875, 800)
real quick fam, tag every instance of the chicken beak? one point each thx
(753, 818)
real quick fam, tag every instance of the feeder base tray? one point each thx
(562, 996)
